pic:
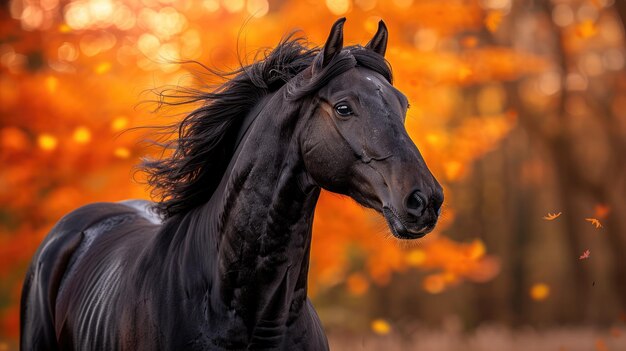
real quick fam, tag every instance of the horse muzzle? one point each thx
(417, 217)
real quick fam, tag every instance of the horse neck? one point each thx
(262, 216)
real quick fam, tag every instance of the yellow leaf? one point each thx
(380, 326)
(552, 216)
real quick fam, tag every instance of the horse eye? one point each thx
(343, 110)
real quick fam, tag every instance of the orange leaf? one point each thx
(595, 222)
(552, 216)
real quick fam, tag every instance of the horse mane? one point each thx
(206, 137)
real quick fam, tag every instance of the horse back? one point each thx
(41, 316)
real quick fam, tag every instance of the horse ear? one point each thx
(378, 44)
(334, 43)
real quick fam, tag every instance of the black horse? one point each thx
(221, 261)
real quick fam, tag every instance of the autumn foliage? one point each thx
(73, 75)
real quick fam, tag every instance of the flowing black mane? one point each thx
(206, 137)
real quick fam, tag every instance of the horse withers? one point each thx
(220, 261)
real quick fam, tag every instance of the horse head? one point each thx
(355, 142)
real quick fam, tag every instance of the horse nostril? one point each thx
(416, 203)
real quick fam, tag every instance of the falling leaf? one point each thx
(586, 29)
(493, 20)
(552, 216)
(585, 255)
(601, 345)
(539, 291)
(380, 326)
(595, 222)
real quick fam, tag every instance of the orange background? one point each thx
(478, 75)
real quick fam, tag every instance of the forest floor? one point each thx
(485, 338)
(488, 338)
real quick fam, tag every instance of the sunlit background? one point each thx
(518, 107)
